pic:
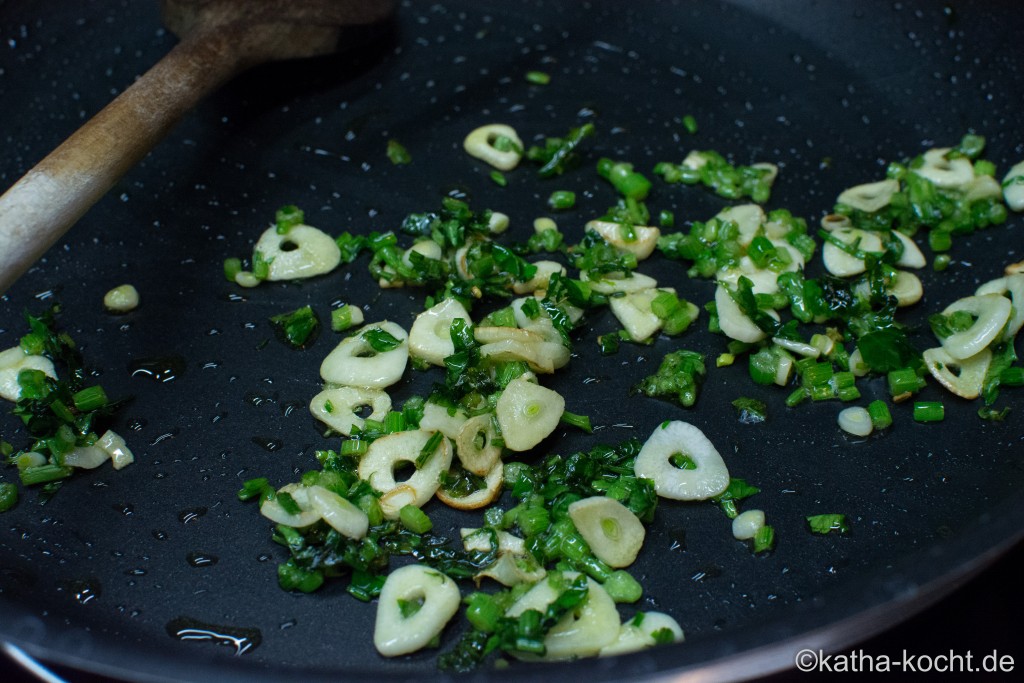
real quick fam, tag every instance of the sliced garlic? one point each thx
(13, 361)
(911, 256)
(493, 481)
(540, 279)
(114, 444)
(710, 477)
(430, 337)
(339, 513)
(633, 311)
(580, 633)
(906, 287)
(634, 637)
(642, 245)
(855, 420)
(527, 413)
(438, 598)
(480, 145)
(437, 418)
(870, 197)
(842, 264)
(734, 323)
(1013, 187)
(339, 407)
(121, 299)
(954, 174)
(746, 524)
(475, 445)
(272, 510)
(968, 382)
(1014, 286)
(385, 454)
(480, 540)
(86, 457)
(354, 362)
(992, 312)
(605, 285)
(539, 355)
(302, 252)
(748, 218)
(614, 534)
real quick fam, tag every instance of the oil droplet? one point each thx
(160, 535)
(240, 638)
(202, 559)
(83, 591)
(158, 368)
(263, 557)
(126, 509)
(136, 424)
(267, 443)
(191, 515)
(288, 624)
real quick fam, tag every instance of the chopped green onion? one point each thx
(498, 178)
(622, 587)
(414, 519)
(341, 318)
(253, 488)
(690, 124)
(90, 398)
(293, 577)
(8, 496)
(287, 217)
(232, 267)
(764, 539)
(881, 418)
(822, 524)
(750, 410)
(42, 474)
(578, 421)
(428, 449)
(561, 200)
(298, 328)
(929, 411)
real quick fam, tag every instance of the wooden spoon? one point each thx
(219, 39)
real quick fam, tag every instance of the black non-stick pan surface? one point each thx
(104, 575)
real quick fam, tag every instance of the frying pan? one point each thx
(101, 576)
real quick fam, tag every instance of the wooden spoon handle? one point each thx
(51, 197)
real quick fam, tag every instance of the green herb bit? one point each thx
(559, 154)
(429, 449)
(350, 246)
(690, 124)
(291, 576)
(682, 461)
(298, 328)
(823, 524)
(578, 421)
(561, 200)
(380, 340)
(750, 410)
(608, 343)
(623, 178)
(737, 490)
(498, 178)
(538, 77)
(253, 488)
(287, 217)
(260, 265)
(8, 496)
(398, 154)
(678, 377)
(929, 411)
(764, 539)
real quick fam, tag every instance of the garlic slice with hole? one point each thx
(339, 407)
(355, 363)
(870, 197)
(946, 173)
(527, 413)
(437, 597)
(480, 145)
(1014, 286)
(302, 252)
(968, 382)
(710, 477)
(385, 454)
(493, 480)
(475, 445)
(614, 534)
(430, 336)
(992, 312)
(580, 633)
